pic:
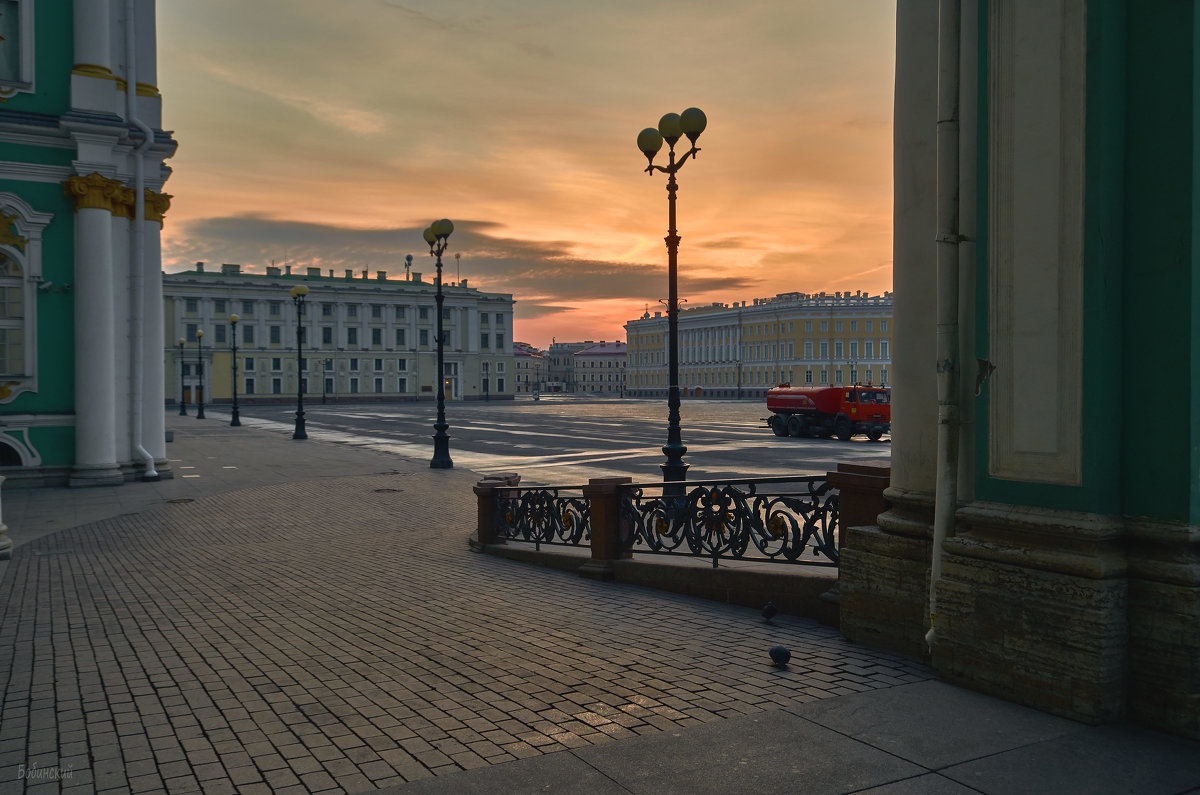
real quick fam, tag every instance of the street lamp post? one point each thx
(671, 128)
(324, 378)
(436, 235)
(298, 293)
(182, 393)
(199, 375)
(233, 321)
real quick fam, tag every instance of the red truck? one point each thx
(820, 411)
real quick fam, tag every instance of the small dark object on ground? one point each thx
(779, 656)
(769, 612)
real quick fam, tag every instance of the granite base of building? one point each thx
(883, 576)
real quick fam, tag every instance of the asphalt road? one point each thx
(564, 439)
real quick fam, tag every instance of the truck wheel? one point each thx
(843, 429)
(778, 424)
(795, 426)
(875, 433)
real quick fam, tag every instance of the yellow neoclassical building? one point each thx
(744, 349)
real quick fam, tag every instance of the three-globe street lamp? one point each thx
(233, 321)
(298, 293)
(671, 128)
(436, 235)
(199, 375)
(182, 393)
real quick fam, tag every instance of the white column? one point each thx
(92, 86)
(95, 390)
(153, 336)
(122, 373)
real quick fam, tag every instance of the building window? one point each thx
(868, 375)
(882, 375)
(326, 310)
(883, 325)
(837, 325)
(328, 365)
(402, 385)
(837, 376)
(187, 369)
(402, 365)
(219, 333)
(824, 376)
(824, 325)
(379, 366)
(854, 325)
(352, 310)
(837, 350)
(273, 308)
(377, 314)
(354, 365)
(376, 336)
(824, 349)
(854, 349)
(351, 336)
(400, 338)
(423, 337)
(808, 325)
(423, 313)
(353, 386)
(247, 335)
(867, 325)
(399, 313)
(378, 386)
(248, 387)
(484, 339)
(483, 318)
(499, 320)
(808, 376)
(276, 364)
(191, 306)
(190, 336)
(275, 334)
(303, 331)
(868, 349)
(499, 367)
(249, 364)
(883, 349)
(276, 386)
(219, 306)
(328, 385)
(808, 349)
(500, 342)
(247, 307)
(500, 384)
(326, 335)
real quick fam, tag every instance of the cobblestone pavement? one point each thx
(336, 634)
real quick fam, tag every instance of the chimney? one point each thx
(416, 277)
(314, 272)
(464, 282)
(381, 276)
(331, 273)
(272, 270)
(366, 273)
(230, 269)
(200, 267)
(287, 269)
(349, 273)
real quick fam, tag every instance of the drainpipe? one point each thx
(946, 497)
(137, 231)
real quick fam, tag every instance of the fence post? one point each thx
(604, 507)
(485, 494)
(860, 497)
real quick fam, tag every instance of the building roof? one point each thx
(604, 349)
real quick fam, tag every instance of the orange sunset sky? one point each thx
(331, 134)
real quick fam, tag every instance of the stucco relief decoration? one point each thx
(9, 236)
(157, 205)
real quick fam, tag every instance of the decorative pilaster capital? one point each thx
(92, 192)
(157, 205)
(123, 203)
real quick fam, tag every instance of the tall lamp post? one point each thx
(182, 393)
(671, 128)
(436, 235)
(298, 293)
(233, 321)
(199, 375)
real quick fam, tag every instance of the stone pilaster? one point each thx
(153, 333)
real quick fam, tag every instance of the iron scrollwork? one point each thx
(770, 519)
(543, 516)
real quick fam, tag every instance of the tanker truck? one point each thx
(821, 411)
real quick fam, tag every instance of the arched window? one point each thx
(21, 281)
(12, 317)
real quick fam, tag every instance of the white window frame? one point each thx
(24, 81)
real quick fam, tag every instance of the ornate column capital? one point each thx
(123, 203)
(157, 205)
(92, 192)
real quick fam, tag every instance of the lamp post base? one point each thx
(441, 451)
(236, 421)
(299, 433)
(182, 409)
(200, 412)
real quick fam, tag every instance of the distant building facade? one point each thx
(744, 349)
(600, 368)
(529, 368)
(560, 358)
(364, 338)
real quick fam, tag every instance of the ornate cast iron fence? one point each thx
(558, 515)
(768, 519)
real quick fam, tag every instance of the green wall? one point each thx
(54, 57)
